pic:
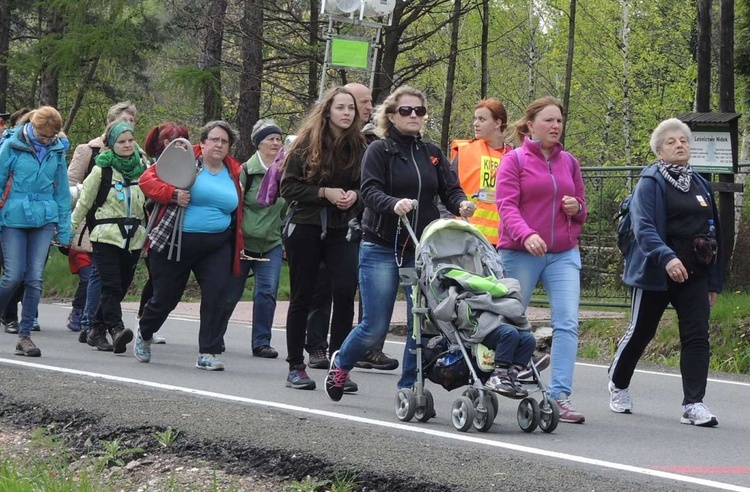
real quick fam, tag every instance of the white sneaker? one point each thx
(698, 414)
(158, 338)
(619, 399)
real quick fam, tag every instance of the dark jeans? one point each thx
(319, 318)
(209, 257)
(148, 288)
(306, 251)
(512, 346)
(79, 298)
(690, 300)
(11, 312)
(116, 269)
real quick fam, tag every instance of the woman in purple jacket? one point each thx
(540, 198)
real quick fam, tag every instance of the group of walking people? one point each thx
(345, 183)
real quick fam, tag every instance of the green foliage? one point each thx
(309, 484)
(114, 454)
(166, 438)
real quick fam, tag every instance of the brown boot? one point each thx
(97, 337)
(121, 337)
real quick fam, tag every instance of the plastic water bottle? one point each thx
(711, 228)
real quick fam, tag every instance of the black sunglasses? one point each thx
(406, 110)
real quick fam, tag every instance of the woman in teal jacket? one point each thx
(35, 205)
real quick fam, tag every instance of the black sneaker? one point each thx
(265, 352)
(318, 359)
(376, 359)
(35, 326)
(11, 327)
(336, 380)
(83, 334)
(121, 337)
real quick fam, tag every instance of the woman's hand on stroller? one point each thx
(404, 206)
(467, 208)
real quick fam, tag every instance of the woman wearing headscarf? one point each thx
(675, 260)
(117, 231)
(35, 205)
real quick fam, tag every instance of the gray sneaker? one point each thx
(619, 399)
(142, 348)
(698, 414)
(209, 362)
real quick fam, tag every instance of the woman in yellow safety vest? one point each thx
(476, 161)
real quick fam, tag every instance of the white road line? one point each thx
(671, 375)
(403, 427)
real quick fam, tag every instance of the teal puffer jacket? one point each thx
(38, 193)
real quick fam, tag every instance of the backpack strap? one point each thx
(248, 177)
(92, 161)
(101, 197)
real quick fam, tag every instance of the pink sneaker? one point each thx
(567, 412)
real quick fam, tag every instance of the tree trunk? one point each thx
(5, 10)
(626, 117)
(85, 83)
(532, 52)
(49, 84)
(248, 111)
(391, 40)
(703, 58)
(212, 56)
(450, 78)
(726, 105)
(569, 65)
(313, 77)
(484, 48)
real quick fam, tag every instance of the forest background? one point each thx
(620, 66)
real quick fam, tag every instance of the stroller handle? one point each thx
(407, 224)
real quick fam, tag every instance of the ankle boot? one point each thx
(84, 333)
(121, 336)
(97, 337)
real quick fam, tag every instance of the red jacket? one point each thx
(161, 192)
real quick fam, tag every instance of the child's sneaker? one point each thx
(336, 380)
(567, 412)
(698, 414)
(521, 393)
(526, 375)
(298, 379)
(500, 382)
(209, 362)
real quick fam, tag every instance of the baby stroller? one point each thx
(456, 273)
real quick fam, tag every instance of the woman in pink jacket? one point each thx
(540, 198)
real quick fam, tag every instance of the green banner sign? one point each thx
(350, 53)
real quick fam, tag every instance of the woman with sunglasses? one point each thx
(35, 205)
(117, 229)
(397, 171)
(210, 247)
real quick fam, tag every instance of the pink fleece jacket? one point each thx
(529, 197)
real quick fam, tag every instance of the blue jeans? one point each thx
(560, 274)
(265, 290)
(378, 285)
(93, 296)
(512, 346)
(25, 254)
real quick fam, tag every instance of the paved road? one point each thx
(649, 450)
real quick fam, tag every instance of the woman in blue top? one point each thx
(35, 204)
(675, 260)
(211, 242)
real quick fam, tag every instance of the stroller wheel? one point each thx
(485, 415)
(406, 404)
(471, 393)
(463, 414)
(425, 412)
(549, 416)
(528, 414)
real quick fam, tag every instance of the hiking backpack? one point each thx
(625, 235)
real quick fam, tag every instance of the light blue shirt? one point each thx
(213, 198)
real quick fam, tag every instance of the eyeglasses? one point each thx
(406, 110)
(218, 140)
(120, 194)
